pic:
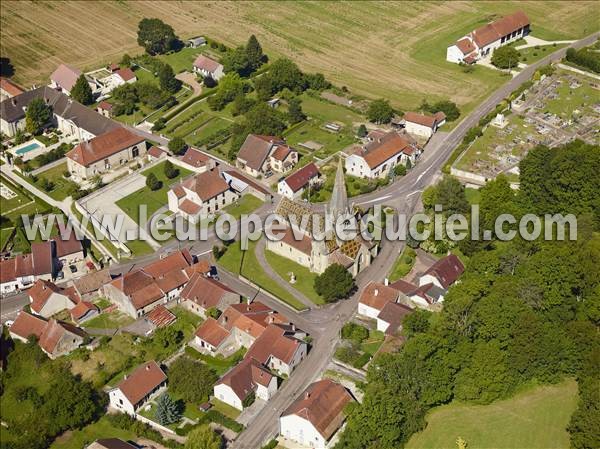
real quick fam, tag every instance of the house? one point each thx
(391, 316)
(423, 125)
(374, 298)
(64, 78)
(55, 338)
(197, 161)
(104, 108)
(202, 293)
(443, 273)
(84, 311)
(145, 382)
(481, 42)
(47, 299)
(8, 89)
(67, 249)
(238, 326)
(419, 296)
(111, 443)
(261, 155)
(155, 153)
(70, 117)
(91, 284)
(105, 152)
(140, 290)
(196, 42)
(21, 271)
(160, 316)
(245, 381)
(294, 185)
(278, 348)
(243, 185)
(125, 76)
(316, 415)
(206, 66)
(201, 196)
(380, 155)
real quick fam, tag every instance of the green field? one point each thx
(219, 364)
(245, 263)
(313, 131)
(533, 54)
(112, 320)
(244, 205)
(305, 280)
(78, 439)
(62, 186)
(154, 200)
(403, 264)
(533, 419)
(17, 202)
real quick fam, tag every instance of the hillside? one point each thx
(378, 49)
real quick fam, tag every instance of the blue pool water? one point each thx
(27, 148)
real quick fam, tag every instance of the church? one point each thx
(304, 225)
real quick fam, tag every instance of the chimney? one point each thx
(125, 377)
(13, 101)
(307, 395)
(376, 292)
(386, 282)
(147, 367)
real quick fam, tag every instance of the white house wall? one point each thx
(301, 431)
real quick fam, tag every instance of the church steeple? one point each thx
(338, 204)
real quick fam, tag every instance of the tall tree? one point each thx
(82, 92)
(380, 111)
(295, 113)
(203, 437)
(286, 74)
(334, 283)
(167, 410)
(37, 115)
(191, 380)
(236, 61)
(177, 145)
(254, 53)
(506, 57)
(450, 194)
(156, 36)
(167, 80)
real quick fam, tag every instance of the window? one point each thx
(135, 151)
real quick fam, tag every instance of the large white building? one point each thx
(316, 415)
(421, 125)
(208, 67)
(382, 152)
(484, 40)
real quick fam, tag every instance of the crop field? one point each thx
(377, 49)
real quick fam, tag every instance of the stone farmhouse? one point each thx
(294, 185)
(197, 161)
(105, 152)
(201, 196)
(263, 155)
(47, 299)
(247, 378)
(140, 290)
(55, 338)
(422, 125)
(297, 243)
(316, 415)
(484, 40)
(145, 382)
(382, 152)
(206, 66)
(70, 117)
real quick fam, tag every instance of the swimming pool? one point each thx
(27, 148)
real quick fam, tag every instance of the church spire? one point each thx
(338, 204)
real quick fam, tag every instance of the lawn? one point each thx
(536, 418)
(81, 438)
(18, 201)
(219, 364)
(305, 280)
(154, 200)
(372, 344)
(63, 187)
(111, 320)
(245, 205)
(4, 236)
(182, 60)
(325, 111)
(225, 409)
(403, 264)
(533, 54)
(312, 130)
(245, 263)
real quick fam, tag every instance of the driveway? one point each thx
(190, 79)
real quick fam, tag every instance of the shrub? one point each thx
(400, 170)
(152, 182)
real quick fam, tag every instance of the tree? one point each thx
(263, 86)
(82, 92)
(152, 182)
(505, 57)
(37, 115)
(254, 53)
(167, 410)
(169, 170)
(450, 194)
(380, 111)
(362, 131)
(177, 145)
(167, 80)
(156, 36)
(448, 107)
(213, 312)
(334, 283)
(400, 170)
(209, 81)
(242, 104)
(295, 113)
(236, 61)
(203, 437)
(191, 379)
(125, 61)
(316, 81)
(286, 74)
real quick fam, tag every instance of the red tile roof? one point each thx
(202, 267)
(404, 287)
(81, 309)
(205, 63)
(92, 282)
(303, 245)
(204, 291)
(212, 332)
(189, 207)
(378, 152)
(377, 295)
(54, 331)
(24, 265)
(274, 343)
(207, 185)
(41, 254)
(281, 152)
(9, 87)
(26, 325)
(393, 314)
(465, 46)
(126, 74)
(67, 244)
(322, 404)
(7, 270)
(142, 382)
(420, 119)
(195, 158)
(447, 270)
(302, 177)
(103, 146)
(491, 32)
(161, 316)
(156, 151)
(105, 105)
(244, 377)
(41, 291)
(65, 76)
